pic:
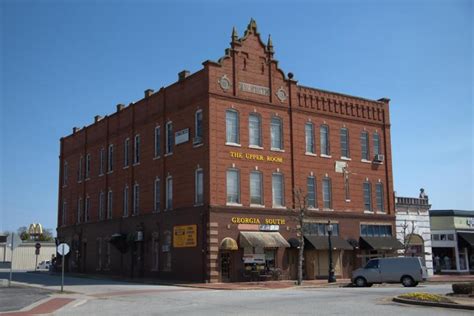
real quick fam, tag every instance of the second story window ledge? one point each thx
(199, 144)
(277, 149)
(256, 147)
(365, 161)
(233, 204)
(310, 154)
(368, 212)
(346, 158)
(233, 144)
(325, 156)
(257, 205)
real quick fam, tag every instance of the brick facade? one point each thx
(248, 80)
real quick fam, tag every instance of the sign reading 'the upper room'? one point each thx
(252, 88)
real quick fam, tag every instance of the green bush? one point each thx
(463, 288)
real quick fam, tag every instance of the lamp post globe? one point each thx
(331, 275)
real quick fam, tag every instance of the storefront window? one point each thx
(375, 230)
(320, 229)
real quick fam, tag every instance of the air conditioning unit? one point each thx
(379, 158)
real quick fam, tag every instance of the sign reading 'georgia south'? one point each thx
(181, 136)
(185, 236)
(252, 88)
(248, 156)
(254, 220)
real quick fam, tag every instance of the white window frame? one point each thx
(157, 195)
(110, 199)
(157, 144)
(87, 204)
(125, 201)
(136, 149)
(379, 197)
(239, 201)
(309, 139)
(229, 139)
(88, 166)
(364, 192)
(110, 158)
(327, 196)
(344, 133)
(258, 132)
(260, 176)
(198, 187)
(101, 205)
(275, 118)
(126, 152)
(364, 142)
(275, 203)
(376, 141)
(169, 138)
(169, 193)
(314, 191)
(198, 122)
(324, 137)
(136, 199)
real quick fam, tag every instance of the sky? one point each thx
(63, 62)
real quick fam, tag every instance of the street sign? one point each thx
(63, 249)
(37, 245)
(37, 252)
(13, 241)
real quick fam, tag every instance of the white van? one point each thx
(406, 270)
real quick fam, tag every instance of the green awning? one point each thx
(380, 243)
(322, 242)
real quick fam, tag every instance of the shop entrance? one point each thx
(225, 266)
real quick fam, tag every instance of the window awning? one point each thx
(228, 244)
(262, 239)
(468, 238)
(380, 243)
(322, 243)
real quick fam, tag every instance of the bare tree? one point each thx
(299, 210)
(407, 233)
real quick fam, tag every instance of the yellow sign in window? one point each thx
(185, 236)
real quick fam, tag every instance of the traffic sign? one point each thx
(63, 249)
(37, 245)
(13, 241)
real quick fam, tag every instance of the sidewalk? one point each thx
(266, 285)
(451, 278)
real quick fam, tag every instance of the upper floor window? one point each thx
(199, 187)
(125, 201)
(320, 229)
(169, 137)
(364, 143)
(169, 193)
(376, 140)
(65, 173)
(375, 230)
(345, 143)
(327, 193)
(126, 152)
(136, 149)
(255, 130)
(63, 214)
(79, 210)
(198, 132)
(109, 204)
(379, 196)
(157, 141)
(157, 195)
(232, 127)
(136, 199)
(324, 135)
(87, 205)
(79, 169)
(311, 191)
(88, 166)
(278, 191)
(111, 158)
(101, 161)
(367, 196)
(276, 131)
(233, 186)
(309, 137)
(101, 205)
(256, 188)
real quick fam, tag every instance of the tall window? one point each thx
(324, 135)
(320, 229)
(376, 143)
(255, 130)
(136, 199)
(136, 149)
(256, 188)
(169, 137)
(64, 211)
(345, 143)
(199, 185)
(327, 193)
(86, 209)
(198, 127)
(157, 195)
(367, 196)
(311, 189)
(126, 152)
(276, 131)
(232, 127)
(79, 169)
(101, 205)
(169, 193)
(109, 204)
(79, 210)
(101, 161)
(278, 193)
(157, 141)
(233, 186)
(65, 171)
(375, 230)
(110, 166)
(309, 136)
(346, 187)
(125, 201)
(379, 196)
(88, 166)
(364, 143)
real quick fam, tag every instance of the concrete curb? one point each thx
(432, 304)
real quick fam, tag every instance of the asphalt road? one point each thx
(17, 297)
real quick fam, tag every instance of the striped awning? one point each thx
(263, 239)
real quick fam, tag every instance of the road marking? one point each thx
(81, 302)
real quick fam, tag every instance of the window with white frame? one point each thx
(110, 198)
(367, 196)
(256, 188)
(79, 210)
(87, 205)
(233, 186)
(199, 187)
(346, 187)
(255, 130)
(376, 140)
(101, 205)
(110, 164)
(157, 141)
(379, 196)
(79, 169)
(169, 137)
(136, 149)
(64, 212)
(101, 161)
(88, 166)
(232, 127)
(309, 137)
(136, 199)
(126, 152)
(324, 138)
(65, 173)
(125, 201)
(169, 193)
(364, 143)
(278, 191)
(276, 133)
(311, 191)
(198, 132)
(345, 143)
(327, 193)
(157, 195)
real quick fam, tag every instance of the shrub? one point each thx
(426, 297)
(463, 288)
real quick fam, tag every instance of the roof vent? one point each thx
(97, 118)
(120, 107)
(183, 75)
(75, 129)
(148, 92)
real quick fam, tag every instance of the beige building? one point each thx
(24, 257)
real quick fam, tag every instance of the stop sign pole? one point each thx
(63, 250)
(37, 252)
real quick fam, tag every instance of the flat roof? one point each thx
(461, 213)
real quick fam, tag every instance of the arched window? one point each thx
(256, 188)
(324, 137)
(255, 130)
(276, 131)
(345, 143)
(309, 137)
(367, 196)
(364, 143)
(232, 127)
(327, 193)
(311, 191)
(278, 190)
(233, 186)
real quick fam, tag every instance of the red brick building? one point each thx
(195, 181)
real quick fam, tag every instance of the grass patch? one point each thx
(427, 297)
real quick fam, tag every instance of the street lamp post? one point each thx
(331, 276)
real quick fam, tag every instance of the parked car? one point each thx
(406, 270)
(44, 265)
